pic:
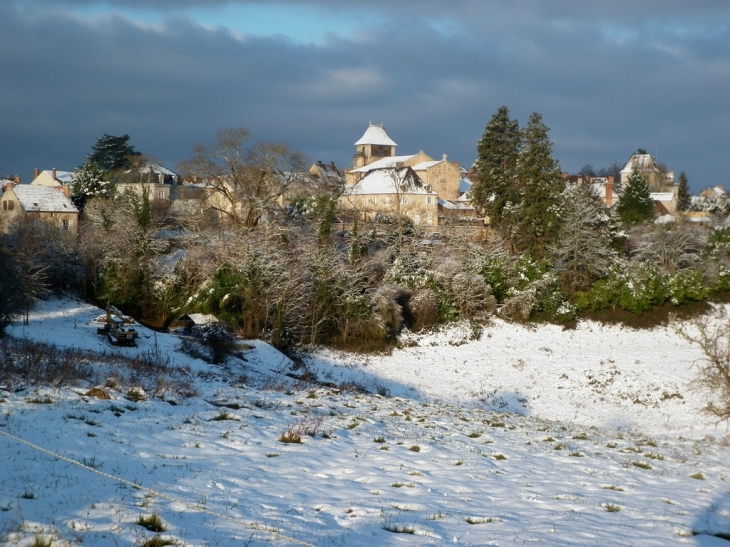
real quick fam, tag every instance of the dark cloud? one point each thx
(607, 79)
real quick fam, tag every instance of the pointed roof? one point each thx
(376, 134)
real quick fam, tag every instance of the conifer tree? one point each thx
(536, 220)
(635, 205)
(496, 160)
(684, 199)
(112, 152)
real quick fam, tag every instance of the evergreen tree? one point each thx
(588, 239)
(112, 153)
(684, 199)
(90, 180)
(635, 205)
(496, 160)
(538, 177)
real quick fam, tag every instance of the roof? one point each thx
(464, 185)
(640, 162)
(43, 199)
(376, 134)
(455, 205)
(383, 181)
(662, 196)
(66, 177)
(383, 163)
(156, 169)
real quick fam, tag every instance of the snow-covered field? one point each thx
(584, 437)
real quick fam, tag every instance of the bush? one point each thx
(636, 287)
(217, 338)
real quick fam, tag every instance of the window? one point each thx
(428, 200)
(65, 225)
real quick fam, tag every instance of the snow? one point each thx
(376, 134)
(589, 436)
(43, 199)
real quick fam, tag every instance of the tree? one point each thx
(539, 181)
(635, 205)
(684, 198)
(90, 180)
(587, 171)
(586, 242)
(246, 183)
(112, 153)
(712, 334)
(11, 289)
(497, 153)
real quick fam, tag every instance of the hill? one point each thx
(588, 436)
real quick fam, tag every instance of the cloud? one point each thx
(434, 72)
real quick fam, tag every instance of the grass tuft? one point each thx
(152, 522)
(481, 520)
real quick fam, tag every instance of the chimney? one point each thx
(54, 174)
(609, 192)
(36, 173)
(17, 179)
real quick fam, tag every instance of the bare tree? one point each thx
(246, 182)
(671, 248)
(712, 334)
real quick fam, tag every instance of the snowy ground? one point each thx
(580, 437)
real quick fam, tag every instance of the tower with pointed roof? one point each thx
(375, 144)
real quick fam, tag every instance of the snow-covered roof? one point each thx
(455, 205)
(156, 169)
(202, 318)
(465, 185)
(43, 199)
(376, 134)
(425, 165)
(640, 162)
(662, 196)
(383, 181)
(383, 163)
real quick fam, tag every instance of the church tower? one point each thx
(375, 144)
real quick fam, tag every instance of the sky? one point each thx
(607, 77)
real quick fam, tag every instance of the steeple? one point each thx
(375, 144)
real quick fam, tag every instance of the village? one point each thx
(433, 193)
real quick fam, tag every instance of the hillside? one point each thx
(575, 437)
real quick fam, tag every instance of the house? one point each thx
(392, 191)
(159, 181)
(54, 178)
(48, 204)
(656, 176)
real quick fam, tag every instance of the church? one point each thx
(381, 182)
